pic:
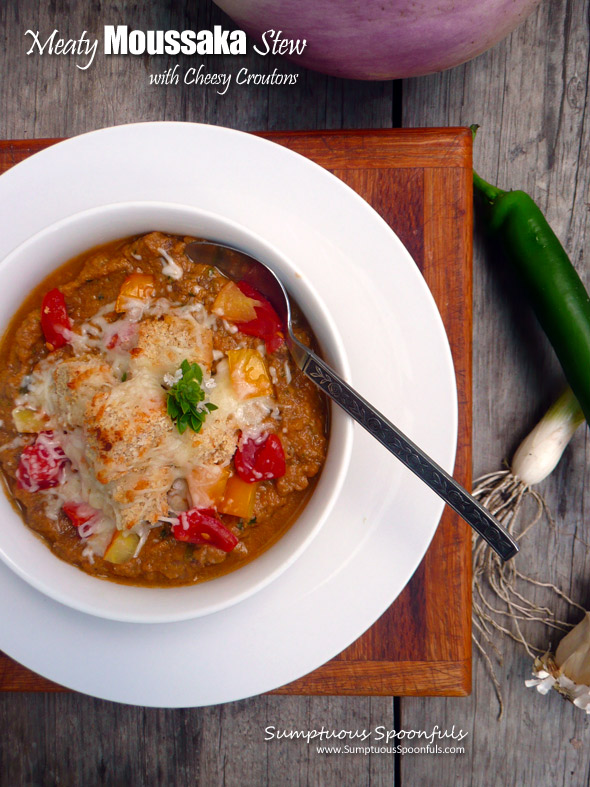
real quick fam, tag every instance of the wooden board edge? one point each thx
(381, 148)
(448, 195)
(16, 677)
(17, 150)
(333, 149)
(385, 679)
(354, 678)
(22, 679)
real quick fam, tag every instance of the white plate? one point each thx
(400, 360)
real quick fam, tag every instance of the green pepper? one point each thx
(556, 292)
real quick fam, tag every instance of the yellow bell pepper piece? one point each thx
(233, 305)
(239, 498)
(206, 485)
(248, 374)
(122, 547)
(28, 421)
(138, 286)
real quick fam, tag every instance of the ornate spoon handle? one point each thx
(416, 460)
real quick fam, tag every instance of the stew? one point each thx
(154, 429)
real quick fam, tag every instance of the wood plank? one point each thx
(49, 97)
(72, 739)
(386, 678)
(432, 147)
(431, 620)
(15, 677)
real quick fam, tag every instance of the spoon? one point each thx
(242, 267)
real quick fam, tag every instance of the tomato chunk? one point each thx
(260, 459)
(42, 464)
(267, 324)
(202, 526)
(54, 319)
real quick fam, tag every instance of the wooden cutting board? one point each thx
(419, 181)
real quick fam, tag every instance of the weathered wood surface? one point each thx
(530, 95)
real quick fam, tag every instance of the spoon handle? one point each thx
(407, 452)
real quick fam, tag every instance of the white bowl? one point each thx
(29, 557)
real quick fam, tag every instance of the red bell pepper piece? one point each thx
(267, 324)
(79, 513)
(260, 459)
(54, 319)
(202, 526)
(42, 464)
(125, 337)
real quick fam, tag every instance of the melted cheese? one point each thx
(171, 267)
(127, 459)
(247, 416)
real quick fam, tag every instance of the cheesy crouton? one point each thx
(124, 425)
(141, 496)
(163, 344)
(216, 443)
(76, 382)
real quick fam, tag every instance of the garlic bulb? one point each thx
(573, 652)
(568, 671)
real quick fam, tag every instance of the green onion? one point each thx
(540, 451)
(505, 493)
(504, 597)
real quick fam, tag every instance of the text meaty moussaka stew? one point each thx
(154, 427)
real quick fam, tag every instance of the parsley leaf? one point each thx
(186, 405)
